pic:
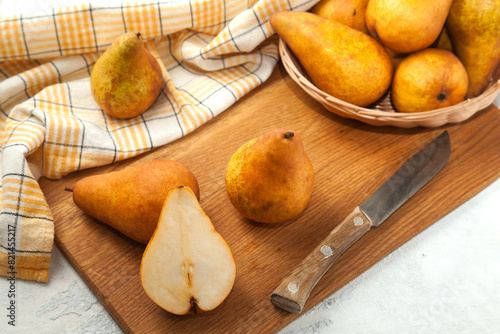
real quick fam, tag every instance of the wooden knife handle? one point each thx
(292, 293)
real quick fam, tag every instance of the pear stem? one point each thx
(288, 135)
(138, 34)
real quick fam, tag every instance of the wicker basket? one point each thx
(382, 112)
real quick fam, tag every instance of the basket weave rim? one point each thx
(294, 69)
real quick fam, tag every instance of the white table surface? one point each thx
(445, 280)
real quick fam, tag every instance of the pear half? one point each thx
(187, 266)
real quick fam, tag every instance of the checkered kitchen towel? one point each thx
(213, 53)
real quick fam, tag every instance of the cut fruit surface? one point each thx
(187, 266)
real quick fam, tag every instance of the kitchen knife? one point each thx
(296, 287)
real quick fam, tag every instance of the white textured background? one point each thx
(445, 280)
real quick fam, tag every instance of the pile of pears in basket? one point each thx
(428, 54)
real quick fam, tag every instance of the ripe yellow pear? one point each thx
(349, 12)
(474, 30)
(406, 26)
(427, 80)
(126, 79)
(341, 61)
(443, 41)
(270, 179)
(396, 57)
(187, 266)
(130, 200)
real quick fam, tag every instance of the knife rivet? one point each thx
(326, 250)
(293, 287)
(358, 221)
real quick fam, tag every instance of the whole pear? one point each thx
(406, 26)
(126, 79)
(444, 84)
(270, 179)
(349, 12)
(396, 57)
(341, 61)
(443, 41)
(130, 200)
(474, 30)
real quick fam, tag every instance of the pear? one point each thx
(126, 79)
(444, 84)
(396, 57)
(130, 200)
(406, 26)
(443, 41)
(474, 30)
(187, 266)
(349, 12)
(270, 179)
(339, 60)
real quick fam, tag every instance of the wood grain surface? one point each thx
(351, 159)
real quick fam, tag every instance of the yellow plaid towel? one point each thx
(212, 52)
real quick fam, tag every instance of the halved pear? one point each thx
(187, 266)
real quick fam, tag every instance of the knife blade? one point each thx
(294, 290)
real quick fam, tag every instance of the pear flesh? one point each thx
(270, 179)
(130, 200)
(187, 266)
(126, 80)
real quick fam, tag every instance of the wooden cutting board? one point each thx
(351, 159)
